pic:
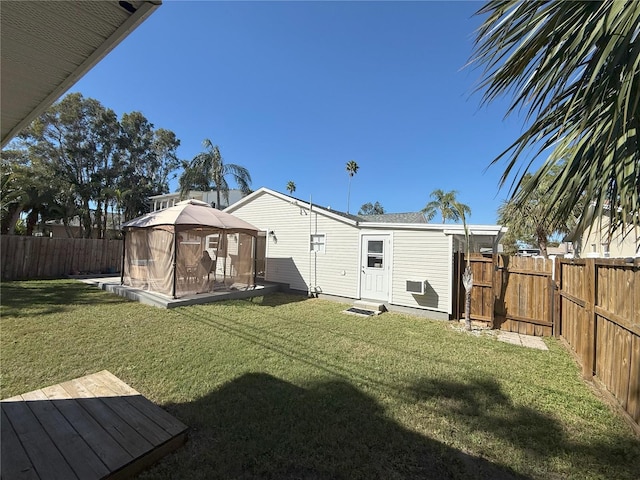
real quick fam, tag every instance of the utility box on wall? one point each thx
(415, 287)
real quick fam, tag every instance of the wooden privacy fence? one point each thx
(600, 323)
(593, 305)
(44, 257)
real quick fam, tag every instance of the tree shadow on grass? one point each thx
(258, 426)
(481, 406)
(44, 297)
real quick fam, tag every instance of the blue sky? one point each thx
(294, 90)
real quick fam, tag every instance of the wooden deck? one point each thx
(94, 427)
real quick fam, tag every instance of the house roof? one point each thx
(48, 46)
(408, 217)
(386, 223)
(336, 214)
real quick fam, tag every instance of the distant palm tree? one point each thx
(291, 187)
(207, 171)
(352, 169)
(446, 203)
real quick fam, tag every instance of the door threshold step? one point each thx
(377, 307)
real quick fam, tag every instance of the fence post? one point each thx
(556, 311)
(589, 330)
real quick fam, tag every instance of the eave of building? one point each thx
(48, 46)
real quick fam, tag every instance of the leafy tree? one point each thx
(207, 171)
(146, 158)
(352, 169)
(371, 209)
(28, 186)
(573, 67)
(12, 191)
(86, 155)
(446, 204)
(291, 187)
(69, 138)
(535, 220)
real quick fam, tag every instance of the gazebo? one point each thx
(187, 249)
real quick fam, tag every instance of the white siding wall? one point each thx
(621, 245)
(334, 272)
(420, 256)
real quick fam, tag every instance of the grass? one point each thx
(285, 387)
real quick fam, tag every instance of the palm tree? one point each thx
(467, 276)
(446, 204)
(352, 169)
(530, 222)
(573, 68)
(207, 171)
(291, 187)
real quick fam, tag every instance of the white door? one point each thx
(374, 282)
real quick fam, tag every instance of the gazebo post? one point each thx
(253, 263)
(124, 250)
(175, 263)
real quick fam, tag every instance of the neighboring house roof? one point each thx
(409, 217)
(48, 46)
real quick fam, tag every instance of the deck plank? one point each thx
(43, 453)
(134, 417)
(165, 420)
(98, 407)
(20, 467)
(82, 459)
(94, 427)
(114, 383)
(100, 441)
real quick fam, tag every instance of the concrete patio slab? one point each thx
(528, 341)
(112, 285)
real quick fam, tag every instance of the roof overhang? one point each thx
(48, 46)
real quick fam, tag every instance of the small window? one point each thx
(375, 253)
(318, 241)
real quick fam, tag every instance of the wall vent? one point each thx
(415, 287)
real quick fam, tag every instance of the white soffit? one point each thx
(46, 46)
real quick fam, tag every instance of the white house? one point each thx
(160, 202)
(596, 241)
(330, 253)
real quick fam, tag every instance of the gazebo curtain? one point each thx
(207, 259)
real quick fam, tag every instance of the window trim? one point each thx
(322, 243)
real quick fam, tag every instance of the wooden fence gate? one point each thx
(516, 294)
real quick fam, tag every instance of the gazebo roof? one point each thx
(192, 213)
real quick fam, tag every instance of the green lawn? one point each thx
(285, 387)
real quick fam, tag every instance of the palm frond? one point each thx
(574, 68)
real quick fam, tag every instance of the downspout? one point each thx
(175, 260)
(124, 250)
(310, 290)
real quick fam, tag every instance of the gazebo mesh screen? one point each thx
(207, 259)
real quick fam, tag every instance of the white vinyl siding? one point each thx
(334, 272)
(422, 256)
